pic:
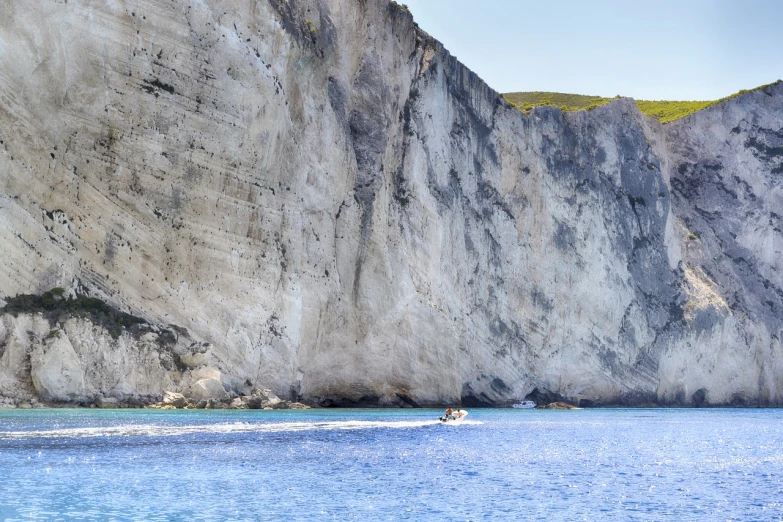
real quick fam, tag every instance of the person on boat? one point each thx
(449, 413)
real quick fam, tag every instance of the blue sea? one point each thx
(340, 464)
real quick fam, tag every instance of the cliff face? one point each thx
(725, 165)
(332, 206)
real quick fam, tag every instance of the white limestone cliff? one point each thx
(332, 206)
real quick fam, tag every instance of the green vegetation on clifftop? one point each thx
(665, 111)
(567, 102)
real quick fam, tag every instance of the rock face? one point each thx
(208, 389)
(55, 369)
(341, 211)
(174, 399)
(74, 360)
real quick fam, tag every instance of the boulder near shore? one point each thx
(257, 400)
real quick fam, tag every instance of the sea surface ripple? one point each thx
(656, 464)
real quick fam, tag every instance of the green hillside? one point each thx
(665, 111)
(567, 102)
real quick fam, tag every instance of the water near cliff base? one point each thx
(391, 465)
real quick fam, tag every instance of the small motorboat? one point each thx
(456, 416)
(524, 404)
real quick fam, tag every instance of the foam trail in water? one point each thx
(148, 430)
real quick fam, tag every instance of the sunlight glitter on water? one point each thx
(150, 430)
(391, 465)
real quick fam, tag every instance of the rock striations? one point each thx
(315, 197)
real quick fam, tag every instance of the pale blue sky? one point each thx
(651, 50)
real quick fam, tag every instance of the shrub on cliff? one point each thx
(53, 303)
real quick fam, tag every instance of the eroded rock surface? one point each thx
(332, 206)
(55, 369)
(208, 389)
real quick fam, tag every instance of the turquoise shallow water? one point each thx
(391, 465)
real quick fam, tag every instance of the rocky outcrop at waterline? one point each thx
(331, 206)
(258, 400)
(557, 406)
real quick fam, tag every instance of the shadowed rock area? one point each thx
(315, 198)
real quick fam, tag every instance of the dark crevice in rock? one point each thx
(481, 400)
(407, 400)
(155, 86)
(544, 396)
(763, 150)
(365, 401)
(367, 125)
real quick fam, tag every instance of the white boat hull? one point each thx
(457, 416)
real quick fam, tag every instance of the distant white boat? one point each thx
(524, 404)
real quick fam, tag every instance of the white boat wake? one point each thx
(151, 430)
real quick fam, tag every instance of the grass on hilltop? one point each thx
(665, 111)
(567, 102)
